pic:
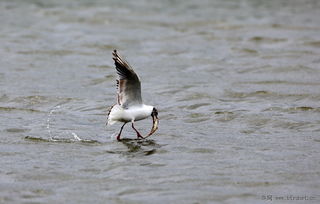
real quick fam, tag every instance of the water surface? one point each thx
(236, 84)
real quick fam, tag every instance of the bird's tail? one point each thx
(108, 116)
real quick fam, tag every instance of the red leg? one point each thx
(138, 134)
(118, 137)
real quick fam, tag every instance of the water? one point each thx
(236, 84)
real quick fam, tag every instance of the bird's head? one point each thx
(154, 113)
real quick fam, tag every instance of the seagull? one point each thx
(129, 106)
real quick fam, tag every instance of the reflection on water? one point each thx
(137, 147)
(236, 84)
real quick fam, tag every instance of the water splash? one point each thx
(49, 120)
(76, 137)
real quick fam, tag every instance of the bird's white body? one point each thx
(134, 113)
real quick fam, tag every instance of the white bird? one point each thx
(129, 106)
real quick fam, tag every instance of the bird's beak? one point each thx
(154, 126)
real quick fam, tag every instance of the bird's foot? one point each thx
(139, 136)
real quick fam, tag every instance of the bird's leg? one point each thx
(118, 137)
(138, 134)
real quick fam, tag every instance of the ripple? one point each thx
(101, 46)
(39, 99)
(31, 99)
(269, 94)
(279, 69)
(19, 109)
(294, 109)
(203, 150)
(4, 98)
(261, 93)
(100, 67)
(225, 116)
(260, 39)
(55, 52)
(257, 183)
(61, 140)
(98, 81)
(196, 118)
(246, 50)
(256, 121)
(304, 108)
(195, 106)
(283, 82)
(313, 43)
(196, 96)
(289, 125)
(17, 130)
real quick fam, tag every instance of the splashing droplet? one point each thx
(76, 136)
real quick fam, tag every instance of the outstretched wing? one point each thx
(129, 87)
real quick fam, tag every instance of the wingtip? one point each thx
(115, 54)
(119, 60)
